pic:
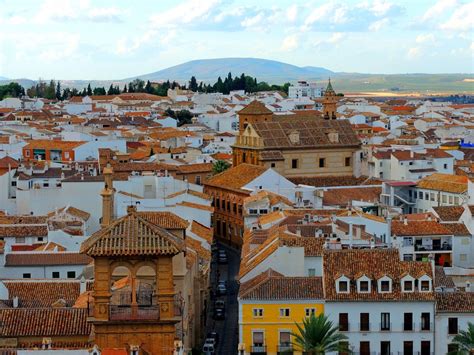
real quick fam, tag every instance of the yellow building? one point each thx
(270, 305)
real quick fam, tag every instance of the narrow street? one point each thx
(227, 328)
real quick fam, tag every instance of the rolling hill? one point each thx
(263, 69)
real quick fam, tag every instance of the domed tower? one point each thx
(253, 112)
(329, 103)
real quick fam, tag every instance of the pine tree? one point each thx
(58, 91)
(125, 89)
(111, 90)
(148, 87)
(89, 90)
(193, 86)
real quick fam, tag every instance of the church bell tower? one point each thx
(329, 103)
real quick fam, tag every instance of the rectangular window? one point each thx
(453, 348)
(198, 179)
(425, 285)
(234, 208)
(408, 286)
(364, 322)
(407, 348)
(425, 347)
(71, 274)
(385, 321)
(452, 325)
(285, 340)
(311, 272)
(55, 274)
(257, 339)
(272, 165)
(27, 275)
(343, 286)
(310, 312)
(228, 206)
(364, 286)
(294, 163)
(445, 166)
(284, 312)
(322, 162)
(344, 346)
(218, 203)
(343, 322)
(364, 348)
(408, 321)
(263, 211)
(348, 161)
(425, 321)
(384, 348)
(20, 240)
(258, 312)
(385, 286)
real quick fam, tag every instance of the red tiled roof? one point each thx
(455, 302)
(44, 322)
(417, 228)
(44, 259)
(374, 263)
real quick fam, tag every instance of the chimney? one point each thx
(388, 238)
(405, 221)
(107, 194)
(16, 301)
(82, 285)
(131, 209)
(412, 154)
(429, 217)
(298, 231)
(350, 235)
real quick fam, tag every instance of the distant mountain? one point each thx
(3, 78)
(263, 69)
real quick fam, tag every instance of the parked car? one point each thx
(219, 304)
(219, 314)
(210, 341)
(208, 349)
(221, 289)
(213, 335)
(222, 259)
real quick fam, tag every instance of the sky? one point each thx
(117, 39)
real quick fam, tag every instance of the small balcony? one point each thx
(285, 349)
(133, 312)
(258, 349)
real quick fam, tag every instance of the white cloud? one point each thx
(69, 10)
(425, 38)
(289, 43)
(414, 52)
(438, 9)
(292, 13)
(185, 13)
(377, 25)
(461, 20)
(334, 39)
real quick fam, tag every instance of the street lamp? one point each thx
(178, 346)
(241, 348)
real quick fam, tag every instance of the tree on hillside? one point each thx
(11, 90)
(58, 91)
(193, 85)
(89, 90)
(318, 336)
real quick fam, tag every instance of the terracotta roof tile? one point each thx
(444, 182)
(134, 234)
(202, 231)
(45, 259)
(455, 302)
(273, 287)
(255, 108)
(416, 228)
(236, 177)
(374, 263)
(449, 213)
(44, 322)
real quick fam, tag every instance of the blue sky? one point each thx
(87, 39)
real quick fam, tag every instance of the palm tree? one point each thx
(219, 166)
(465, 340)
(319, 335)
